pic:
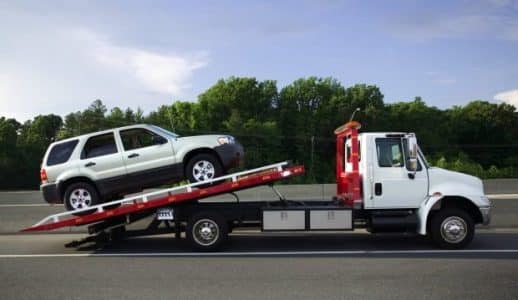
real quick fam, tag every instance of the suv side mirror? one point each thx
(412, 152)
(158, 140)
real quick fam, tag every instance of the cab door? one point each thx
(395, 185)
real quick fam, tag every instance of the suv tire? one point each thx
(203, 167)
(80, 195)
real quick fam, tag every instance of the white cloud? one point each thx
(509, 97)
(47, 69)
(159, 73)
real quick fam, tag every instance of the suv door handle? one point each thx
(133, 155)
(90, 164)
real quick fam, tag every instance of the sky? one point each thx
(59, 56)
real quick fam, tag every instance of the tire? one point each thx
(452, 228)
(202, 167)
(206, 231)
(80, 195)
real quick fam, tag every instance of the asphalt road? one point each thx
(255, 265)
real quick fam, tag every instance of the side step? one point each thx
(393, 221)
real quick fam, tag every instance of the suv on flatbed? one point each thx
(102, 166)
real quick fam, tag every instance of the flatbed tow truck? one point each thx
(384, 184)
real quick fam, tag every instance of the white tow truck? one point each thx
(384, 184)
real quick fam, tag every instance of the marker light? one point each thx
(226, 140)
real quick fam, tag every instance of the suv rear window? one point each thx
(99, 145)
(60, 153)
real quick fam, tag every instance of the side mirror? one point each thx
(412, 164)
(158, 140)
(412, 152)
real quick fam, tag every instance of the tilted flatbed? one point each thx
(175, 204)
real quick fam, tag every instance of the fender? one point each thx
(431, 203)
(444, 183)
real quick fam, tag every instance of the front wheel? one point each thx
(452, 228)
(203, 167)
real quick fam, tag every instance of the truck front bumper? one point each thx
(486, 215)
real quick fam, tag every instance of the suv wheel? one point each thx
(203, 167)
(80, 195)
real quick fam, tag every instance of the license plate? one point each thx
(165, 214)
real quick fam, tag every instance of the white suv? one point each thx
(98, 167)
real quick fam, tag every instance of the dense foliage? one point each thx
(294, 123)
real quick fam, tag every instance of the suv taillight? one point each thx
(43, 176)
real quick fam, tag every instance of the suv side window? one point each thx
(99, 145)
(390, 153)
(137, 138)
(60, 153)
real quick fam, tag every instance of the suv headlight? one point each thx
(226, 140)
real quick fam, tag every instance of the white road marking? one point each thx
(266, 253)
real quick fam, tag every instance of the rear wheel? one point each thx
(203, 167)
(80, 195)
(452, 228)
(206, 231)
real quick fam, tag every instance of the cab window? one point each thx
(389, 152)
(99, 145)
(139, 138)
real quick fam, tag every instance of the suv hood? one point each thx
(210, 140)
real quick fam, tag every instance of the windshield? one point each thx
(166, 132)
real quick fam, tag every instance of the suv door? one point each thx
(149, 157)
(393, 185)
(102, 161)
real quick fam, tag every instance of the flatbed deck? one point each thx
(137, 207)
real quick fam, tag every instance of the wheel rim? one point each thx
(205, 232)
(454, 229)
(80, 198)
(203, 170)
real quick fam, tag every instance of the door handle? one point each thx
(378, 189)
(90, 164)
(133, 155)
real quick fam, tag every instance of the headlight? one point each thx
(226, 140)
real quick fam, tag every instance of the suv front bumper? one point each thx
(50, 193)
(486, 215)
(231, 155)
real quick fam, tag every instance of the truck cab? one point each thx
(398, 189)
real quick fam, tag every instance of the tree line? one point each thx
(295, 123)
